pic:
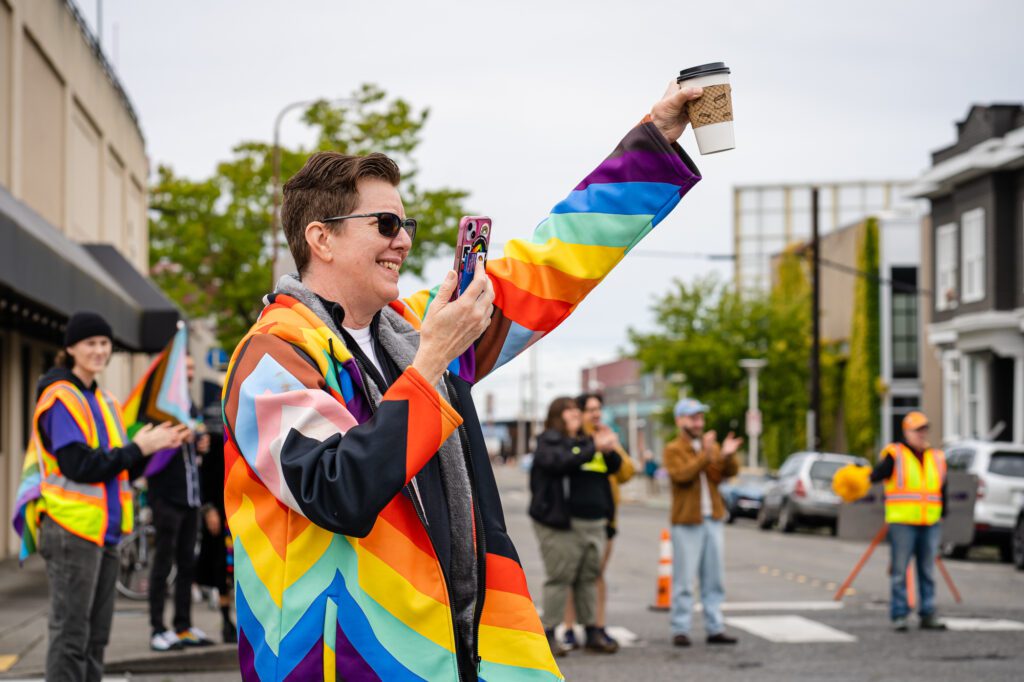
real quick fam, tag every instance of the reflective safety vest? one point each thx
(80, 508)
(913, 494)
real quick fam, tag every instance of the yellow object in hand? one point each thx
(852, 482)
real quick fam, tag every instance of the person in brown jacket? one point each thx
(696, 464)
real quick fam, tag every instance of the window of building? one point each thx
(945, 267)
(975, 395)
(972, 249)
(951, 395)
(902, 405)
(904, 323)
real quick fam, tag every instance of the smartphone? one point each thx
(474, 240)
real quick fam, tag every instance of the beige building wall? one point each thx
(931, 368)
(72, 150)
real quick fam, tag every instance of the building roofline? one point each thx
(97, 50)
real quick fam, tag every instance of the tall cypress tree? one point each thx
(862, 383)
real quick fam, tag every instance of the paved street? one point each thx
(779, 586)
(782, 585)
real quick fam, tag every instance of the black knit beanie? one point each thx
(85, 324)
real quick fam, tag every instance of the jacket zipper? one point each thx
(417, 507)
(481, 558)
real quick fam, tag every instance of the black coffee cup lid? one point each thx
(702, 70)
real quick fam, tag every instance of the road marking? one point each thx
(982, 624)
(624, 636)
(782, 606)
(7, 662)
(789, 629)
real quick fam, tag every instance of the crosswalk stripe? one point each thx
(982, 624)
(782, 606)
(789, 629)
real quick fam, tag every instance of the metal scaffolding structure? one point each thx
(767, 218)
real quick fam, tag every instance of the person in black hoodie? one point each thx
(174, 499)
(85, 503)
(571, 505)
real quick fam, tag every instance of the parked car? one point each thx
(744, 493)
(999, 468)
(802, 495)
(1018, 540)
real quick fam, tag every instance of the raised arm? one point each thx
(540, 281)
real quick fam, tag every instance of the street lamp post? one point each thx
(753, 367)
(275, 218)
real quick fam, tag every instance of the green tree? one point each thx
(210, 245)
(861, 384)
(705, 328)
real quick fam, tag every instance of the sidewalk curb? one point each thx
(219, 657)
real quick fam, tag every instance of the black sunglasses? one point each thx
(388, 224)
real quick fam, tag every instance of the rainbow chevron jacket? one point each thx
(362, 591)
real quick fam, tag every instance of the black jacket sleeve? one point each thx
(83, 464)
(883, 470)
(555, 455)
(613, 460)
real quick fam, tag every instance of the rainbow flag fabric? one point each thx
(358, 592)
(162, 395)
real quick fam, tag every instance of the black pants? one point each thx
(175, 542)
(82, 578)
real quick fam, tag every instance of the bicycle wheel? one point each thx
(133, 569)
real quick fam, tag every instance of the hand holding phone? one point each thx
(471, 247)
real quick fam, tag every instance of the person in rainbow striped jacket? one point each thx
(370, 542)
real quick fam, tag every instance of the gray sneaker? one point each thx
(930, 622)
(900, 624)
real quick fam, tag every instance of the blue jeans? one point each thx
(697, 551)
(921, 542)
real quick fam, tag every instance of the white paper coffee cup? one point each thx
(711, 116)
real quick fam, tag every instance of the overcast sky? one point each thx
(527, 97)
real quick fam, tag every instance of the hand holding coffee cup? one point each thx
(711, 114)
(669, 114)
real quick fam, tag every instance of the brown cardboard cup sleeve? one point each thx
(714, 106)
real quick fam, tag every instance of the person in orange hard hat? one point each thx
(915, 495)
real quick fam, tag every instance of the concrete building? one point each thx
(73, 172)
(633, 403)
(900, 302)
(975, 254)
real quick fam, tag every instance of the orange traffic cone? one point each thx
(663, 596)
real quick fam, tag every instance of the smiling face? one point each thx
(573, 418)
(353, 259)
(91, 354)
(592, 412)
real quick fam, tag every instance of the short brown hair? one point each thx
(555, 421)
(326, 187)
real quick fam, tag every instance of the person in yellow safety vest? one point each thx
(915, 492)
(84, 502)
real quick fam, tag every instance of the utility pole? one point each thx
(814, 418)
(753, 367)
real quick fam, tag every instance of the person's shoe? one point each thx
(229, 633)
(609, 637)
(165, 641)
(558, 650)
(930, 622)
(598, 642)
(194, 637)
(681, 640)
(570, 639)
(721, 638)
(900, 624)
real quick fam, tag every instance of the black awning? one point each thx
(159, 316)
(39, 264)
